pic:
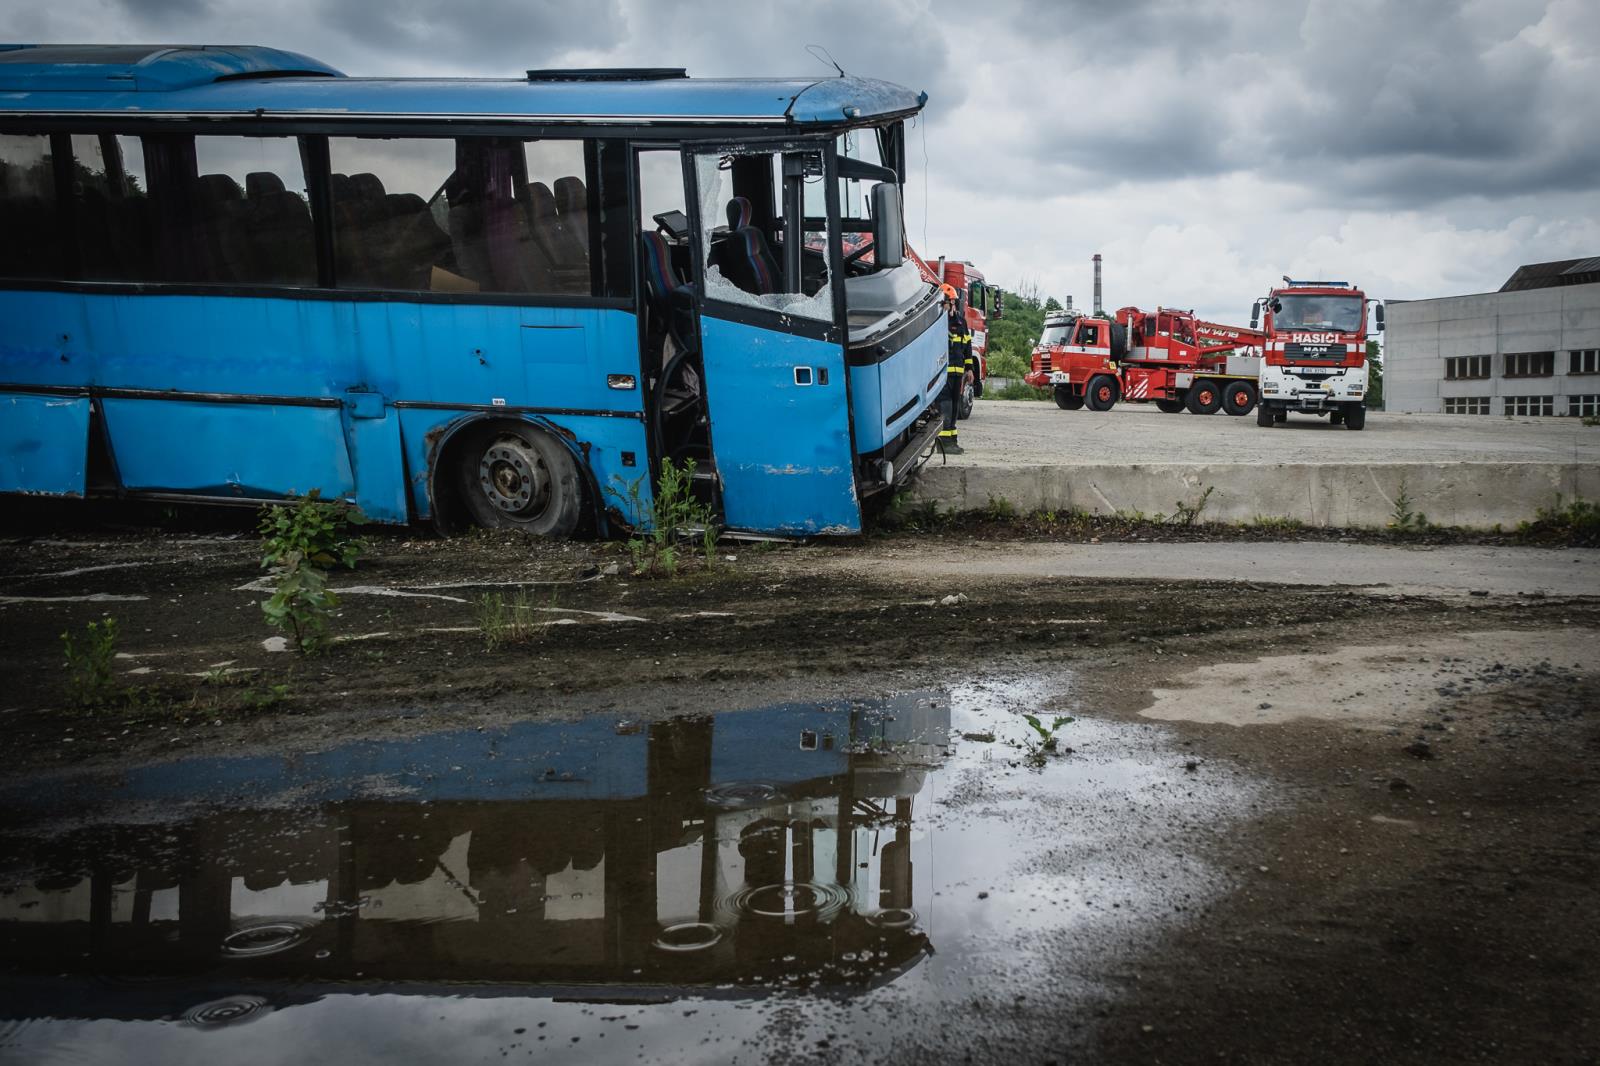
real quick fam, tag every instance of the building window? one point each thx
(1584, 361)
(1466, 405)
(1530, 364)
(1583, 406)
(1530, 405)
(1464, 367)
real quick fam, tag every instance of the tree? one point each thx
(1374, 376)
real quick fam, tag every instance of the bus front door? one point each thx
(776, 383)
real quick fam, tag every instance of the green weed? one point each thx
(674, 516)
(318, 530)
(91, 680)
(502, 621)
(1402, 519)
(1044, 741)
(1016, 390)
(1275, 524)
(1574, 522)
(1187, 514)
(301, 602)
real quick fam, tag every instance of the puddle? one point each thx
(606, 889)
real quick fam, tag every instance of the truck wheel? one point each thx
(1355, 416)
(1066, 399)
(1239, 398)
(1335, 418)
(1169, 407)
(1280, 416)
(1265, 418)
(964, 404)
(1101, 393)
(1204, 398)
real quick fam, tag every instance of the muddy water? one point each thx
(793, 881)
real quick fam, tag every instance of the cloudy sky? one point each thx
(1205, 147)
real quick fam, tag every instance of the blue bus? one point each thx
(235, 274)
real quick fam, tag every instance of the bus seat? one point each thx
(572, 201)
(220, 206)
(411, 243)
(661, 276)
(740, 213)
(744, 259)
(261, 183)
(367, 187)
(567, 252)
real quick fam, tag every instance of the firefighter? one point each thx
(958, 363)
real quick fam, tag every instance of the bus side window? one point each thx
(391, 215)
(30, 246)
(110, 196)
(247, 212)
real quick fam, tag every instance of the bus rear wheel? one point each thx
(1066, 399)
(1239, 398)
(1169, 407)
(517, 477)
(1102, 393)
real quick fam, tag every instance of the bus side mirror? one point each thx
(999, 304)
(888, 228)
(1255, 314)
(1380, 317)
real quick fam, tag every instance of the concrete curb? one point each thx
(1470, 495)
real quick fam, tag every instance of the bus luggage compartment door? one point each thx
(44, 443)
(780, 429)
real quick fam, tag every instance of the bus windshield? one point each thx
(1341, 314)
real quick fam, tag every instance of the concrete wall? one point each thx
(1342, 495)
(1422, 334)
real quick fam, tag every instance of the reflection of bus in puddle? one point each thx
(616, 860)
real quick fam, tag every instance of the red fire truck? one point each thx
(982, 302)
(1316, 352)
(1166, 357)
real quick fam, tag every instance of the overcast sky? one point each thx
(1415, 147)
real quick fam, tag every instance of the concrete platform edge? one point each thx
(1470, 495)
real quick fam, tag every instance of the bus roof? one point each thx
(251, 81)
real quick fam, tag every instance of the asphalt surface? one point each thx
(1022, 433)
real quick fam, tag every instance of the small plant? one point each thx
(1402, 518)
(1275, 524)
(264, 699)
(1016, 390)
(90, 678)
(1000, 509)
(503, 621)
(673, 515)
(1575, 522)
(301, 602)
(1187, 515)
(1044, 741)
(1591, 420)
(313, 527)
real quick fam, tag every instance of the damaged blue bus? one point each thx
(235, 274)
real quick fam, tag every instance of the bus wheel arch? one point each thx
(509, 473)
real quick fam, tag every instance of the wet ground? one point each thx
(793, 810)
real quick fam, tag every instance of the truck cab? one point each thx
(1315, 360)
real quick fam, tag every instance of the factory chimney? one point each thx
(1098, 310)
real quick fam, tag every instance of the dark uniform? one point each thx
(959, 362)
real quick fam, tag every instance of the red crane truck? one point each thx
(1166, 357)
(982, 302)
(1316, 352)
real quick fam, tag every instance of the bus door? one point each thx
(777, 389)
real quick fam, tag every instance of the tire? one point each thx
(964, 403)
(1169, 407)
(1335, 418)
(1265, 417)
(1280, 416)
(1066, 399)
(1355, 416)
(515, 476)
(1239, 398)
(1102, 393)
(1203, 398)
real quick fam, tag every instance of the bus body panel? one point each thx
(44, 444)
(889, 396)
(780, 429)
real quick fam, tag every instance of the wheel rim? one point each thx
(513, 477)
(1207, 397)
(1104, 394)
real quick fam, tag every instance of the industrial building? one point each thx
(1532, 348)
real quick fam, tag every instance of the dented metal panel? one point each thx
(780, 430)
(44, 444)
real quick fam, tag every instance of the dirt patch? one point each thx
(1361, 685)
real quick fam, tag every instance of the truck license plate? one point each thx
(1060, 377)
